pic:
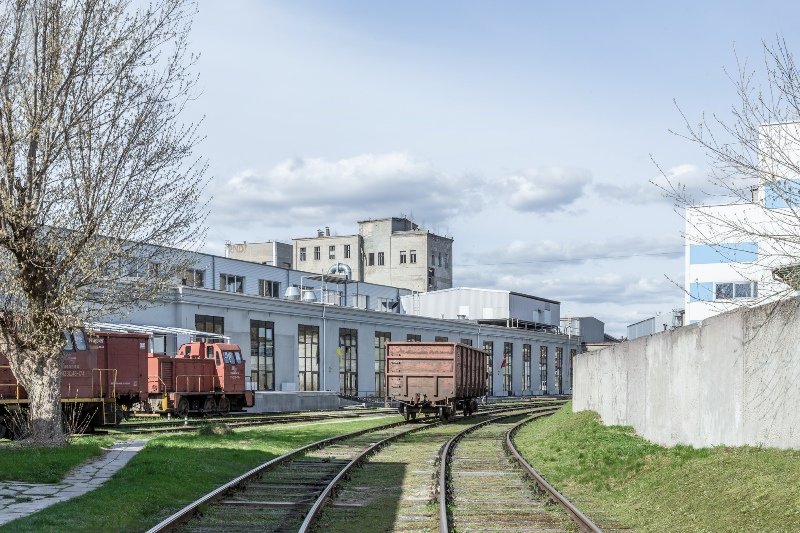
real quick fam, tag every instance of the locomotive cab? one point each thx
(226, 370)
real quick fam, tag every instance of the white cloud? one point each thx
(546, 189)
(522, 255)
(690, 181)
(314, 191)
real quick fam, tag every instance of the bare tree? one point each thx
(97, 174)
(753, 189)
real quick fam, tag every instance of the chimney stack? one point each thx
(320, 233)
(327, 231)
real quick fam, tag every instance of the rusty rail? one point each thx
(583, 522)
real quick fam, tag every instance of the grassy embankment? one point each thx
(619, 479)
(170, 472)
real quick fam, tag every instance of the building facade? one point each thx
(268, 253)
(292, 342)
(747, 252)
(390, 251)
(488, 306)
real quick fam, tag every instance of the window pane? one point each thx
(724, 291)
(743, 290)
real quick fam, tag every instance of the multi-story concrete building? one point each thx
(267, 253)
(324, 252)
(389, 251)
(742, 253)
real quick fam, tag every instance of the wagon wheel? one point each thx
(209, 406)
(182, 410)
(224, 405)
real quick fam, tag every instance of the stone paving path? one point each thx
(23, 499)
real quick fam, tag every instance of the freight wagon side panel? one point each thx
(420, 371)
(128, 355)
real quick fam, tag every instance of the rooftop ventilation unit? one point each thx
(292, 293)
(309, 296)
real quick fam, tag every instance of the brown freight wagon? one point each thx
(435, 377)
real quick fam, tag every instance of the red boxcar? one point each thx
(435, 377)
(102, 373)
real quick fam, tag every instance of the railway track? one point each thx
(192, 424)
(178, 425)
(481, 488)
(288, 492)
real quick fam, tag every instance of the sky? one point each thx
(529, 131)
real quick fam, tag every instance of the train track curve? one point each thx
(288, 492)
(482, 488)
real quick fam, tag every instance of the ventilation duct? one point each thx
(340, 269)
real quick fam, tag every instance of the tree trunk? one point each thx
(40, 374)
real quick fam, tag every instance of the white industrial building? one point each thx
(307, 332)
(656, 324)
(487, 306)
(738, 254)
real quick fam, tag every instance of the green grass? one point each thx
(47, 465)
(172, 471)
(620, 479)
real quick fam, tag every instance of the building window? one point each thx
(508, 356)
(380, 258)
(231, 283)
(402, 257)
(381, 338)
(210, 324)
(262, 354)
(440, 258)
(269, 288)
(735, 290)
(347, 251)
(572, 354)
(348, 361)
(302, 254)
(308, 348)
(488, 347)
(467, 342)
(526, 367)
(558, 365)
(371, 259)
(433, 258)
(413, 338)
(191, 277)
(412, 256)
(543, 368)
(445, 261)
(440, 339)
(317, 253)
(331, 252)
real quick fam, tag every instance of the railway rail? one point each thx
(288, 492)
(483, 488)
(178, 425)
(181, 425)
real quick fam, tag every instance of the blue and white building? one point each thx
(735, 253)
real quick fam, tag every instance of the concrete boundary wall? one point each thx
(733, 379)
